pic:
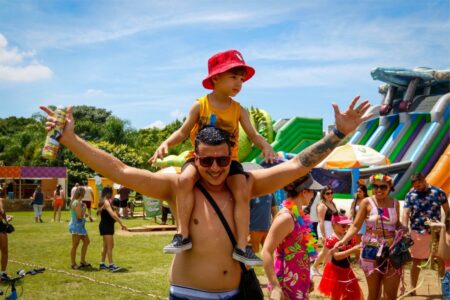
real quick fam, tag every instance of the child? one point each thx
(443, 253)
(226, 73)
(338, 280)
(58, 202)
(78, 230)
(108, 217)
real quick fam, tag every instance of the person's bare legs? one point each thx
(391, 282)
(415, 270)
(55, 208)
(108, 245)
(73, 252)
(84, 247)
(374, 285)
(4, 251)
(238, 186)
(59, 213)
(322, 256)
(184, 207)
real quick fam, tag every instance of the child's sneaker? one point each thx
(103, 266)
(4, 276)
(114, 268)
(178, 244)
(248, 257)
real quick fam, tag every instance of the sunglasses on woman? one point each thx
(382, 187)
(329, 193)
(207, 161)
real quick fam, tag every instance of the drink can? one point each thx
(51, 146)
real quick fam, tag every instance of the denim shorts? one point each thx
(446, 285)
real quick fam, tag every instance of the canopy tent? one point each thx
(49, 177)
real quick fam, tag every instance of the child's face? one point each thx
(340, 228)
(229, 83)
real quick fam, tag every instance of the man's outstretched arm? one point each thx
(269, 180)
(159, 186)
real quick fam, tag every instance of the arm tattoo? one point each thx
(318, 151)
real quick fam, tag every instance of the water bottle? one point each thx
(51, 146)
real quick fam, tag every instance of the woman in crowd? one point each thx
(381, 214)
(325, 211)
(361, 193)
(58, 202)
(444, 254)
(38, 204)
(108, 216)
(291, 238)
(78, 230)
(3, 235)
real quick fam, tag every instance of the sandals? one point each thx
(85, 265)
(75, 267)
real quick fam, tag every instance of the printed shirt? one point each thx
(424, 205)
(226, 119)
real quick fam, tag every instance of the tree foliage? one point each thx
(22, 139)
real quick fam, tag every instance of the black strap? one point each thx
(221, 217)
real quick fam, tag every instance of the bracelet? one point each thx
(338, 133)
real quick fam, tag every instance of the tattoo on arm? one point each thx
(318, 151)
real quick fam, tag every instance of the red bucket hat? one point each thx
(224, 61)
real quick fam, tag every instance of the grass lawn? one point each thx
(48, 245)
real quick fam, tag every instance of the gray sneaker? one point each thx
(103, 267)
(113, 268)
(178, 244)
(248, 257)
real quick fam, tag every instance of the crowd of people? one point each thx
(290, 252)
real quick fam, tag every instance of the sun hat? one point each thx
(224, 61)
(343, 220)
(306, 182)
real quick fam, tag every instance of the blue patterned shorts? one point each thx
(77, 226)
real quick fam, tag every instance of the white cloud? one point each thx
(157, 124)
(20, 66)
(177, 114)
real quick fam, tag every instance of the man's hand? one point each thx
(348, 120)
(162, 151)
(51, 121)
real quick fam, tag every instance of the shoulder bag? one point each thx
(249, 287)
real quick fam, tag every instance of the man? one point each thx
(422, 203)
(262, 210)
(87, 199)
(210, 256)
(124, 193)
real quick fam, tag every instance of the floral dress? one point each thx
(292, 263)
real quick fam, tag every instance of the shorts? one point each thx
(77, 226)
(124, 203)
(106, 229)
(235, 167)
(88, 203)
(421, 247)
(446, 285)
(58, 202)
(186, 293)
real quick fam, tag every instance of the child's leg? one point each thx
(185, 198)
(104, 249)
(109, 245)
(238, 186)
(84, 247)
(73, 251)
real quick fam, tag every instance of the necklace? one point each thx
(305, 226)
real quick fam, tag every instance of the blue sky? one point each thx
(145, 60)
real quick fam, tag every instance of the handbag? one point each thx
(399, 254)
(249, 287)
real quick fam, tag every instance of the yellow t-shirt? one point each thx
(226, 119)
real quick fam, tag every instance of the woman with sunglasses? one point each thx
(381, 214)
(325, 211)
(361, 193)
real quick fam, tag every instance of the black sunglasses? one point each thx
(382, 187)
(329, 193)
(207, 161)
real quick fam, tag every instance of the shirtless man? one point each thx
(210, 256)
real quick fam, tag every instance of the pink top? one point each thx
(292, 263)
(447, 264)
(389, 216)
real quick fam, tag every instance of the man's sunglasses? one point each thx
(207, 161)
(382, 187)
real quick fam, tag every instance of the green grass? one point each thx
(48, 245)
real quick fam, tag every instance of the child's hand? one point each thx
(269, 155)
(162, 151)
(124, 227)
(356, 248)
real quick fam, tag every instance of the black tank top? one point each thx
(106, 219)
(329, 212)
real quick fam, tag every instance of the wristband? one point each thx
(338, 133)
